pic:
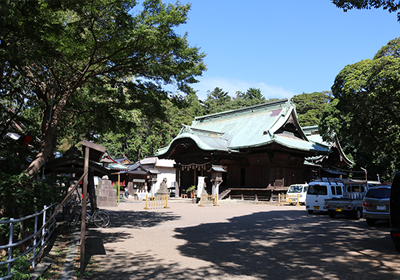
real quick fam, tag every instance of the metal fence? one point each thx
(37, 240)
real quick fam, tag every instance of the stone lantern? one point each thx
(216, 178)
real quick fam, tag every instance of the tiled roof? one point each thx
(247, 127)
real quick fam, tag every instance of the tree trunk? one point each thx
(44, 151)
(46, 147)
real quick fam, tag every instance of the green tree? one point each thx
(150, 134)
(217, 100)
(390, 5)
(365, 113)
(251, 97)
(309, 106)
(82, 64)
(254, 94)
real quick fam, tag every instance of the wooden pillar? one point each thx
(178, 175)
(92, 193)
(194, 176)
(83, 221)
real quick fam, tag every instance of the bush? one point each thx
(22, 195)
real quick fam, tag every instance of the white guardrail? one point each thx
(39, 238)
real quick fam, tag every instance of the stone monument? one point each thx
(163, 190)
(106, 194)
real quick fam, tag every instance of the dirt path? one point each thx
(237, 241)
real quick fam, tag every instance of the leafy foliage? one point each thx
(389, 5)
(251, 97)
(365, 111)
(22, 195)
(309, 106)
(19, 269)
(78, 65)
(148, 135)
(217, 100)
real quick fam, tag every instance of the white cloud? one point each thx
(233, 85)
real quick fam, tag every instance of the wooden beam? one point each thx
(95, 151)
(83, 221)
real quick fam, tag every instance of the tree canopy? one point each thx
(309, 106)
(390, 5)
(217, 100)
(150, 134)
(366, 109)
(75, 67)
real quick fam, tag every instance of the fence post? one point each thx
(298, 203)
(166, 201)
(201, 201)
(147, 203)
(34, 242)
(44, 221)
(216, 200)
(10, 242)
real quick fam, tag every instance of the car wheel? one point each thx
(370, 222)
(310, 211)
(357, 214)
(332, 214)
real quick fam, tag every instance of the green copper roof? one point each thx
(247, 127)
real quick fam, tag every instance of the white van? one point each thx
(297, 189)
(321, 189)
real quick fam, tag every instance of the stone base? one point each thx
(162, 192)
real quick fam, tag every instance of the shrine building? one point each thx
(258, 147)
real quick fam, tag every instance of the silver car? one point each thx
(376, 204)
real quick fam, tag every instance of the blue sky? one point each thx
(283, 48)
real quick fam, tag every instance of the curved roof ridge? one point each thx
(243, 109)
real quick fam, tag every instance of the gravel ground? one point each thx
(237, 241)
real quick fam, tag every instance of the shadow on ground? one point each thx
(266, 245)
(130, 219)
(139, 219)
(293, 245)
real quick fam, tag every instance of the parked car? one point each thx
(350, 203)
(297, 189)
(376, 204)
(395, 211)
(321, 189)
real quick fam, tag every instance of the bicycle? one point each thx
(100, 218)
